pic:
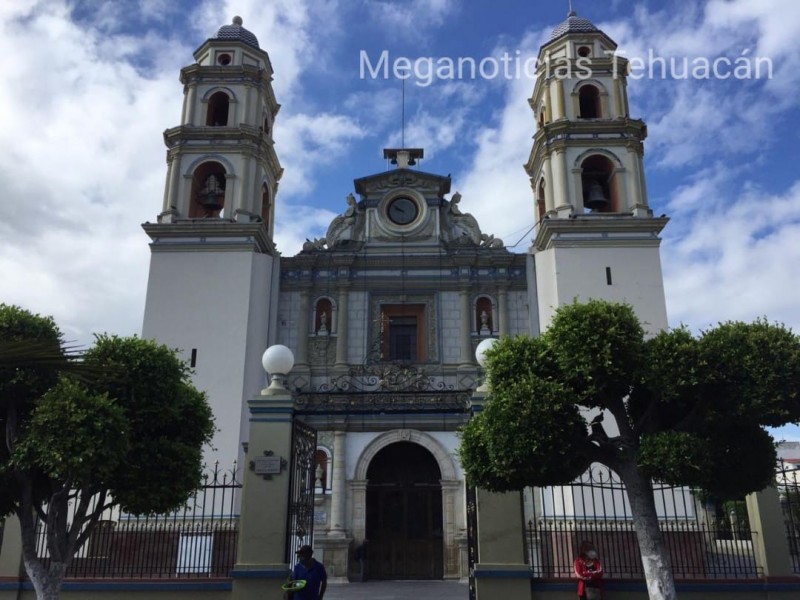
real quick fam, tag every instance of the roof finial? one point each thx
(571, 12)
(237, 20)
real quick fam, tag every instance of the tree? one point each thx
(677, 407)
(122, 426)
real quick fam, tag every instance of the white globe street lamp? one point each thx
(480, 356)
(277, 361)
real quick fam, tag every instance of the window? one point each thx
(217, 115)
(402, 332)
(600, 193)
(208, 191)
(589, 100)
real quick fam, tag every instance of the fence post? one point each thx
(501, 571)
(770, 546)
(261, 566)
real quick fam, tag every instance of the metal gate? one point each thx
(300, 524)
(472, 538)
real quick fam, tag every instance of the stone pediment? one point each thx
(428, 184)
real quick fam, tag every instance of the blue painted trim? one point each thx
(131, 586)
(694, 586)
(260, 573)
(502, 574)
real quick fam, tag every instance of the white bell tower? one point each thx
(596, 235)
(213, 283)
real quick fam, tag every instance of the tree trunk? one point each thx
(655, 559)
(46, 582)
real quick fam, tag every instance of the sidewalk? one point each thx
(397, 590)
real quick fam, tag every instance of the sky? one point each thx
(89, 87)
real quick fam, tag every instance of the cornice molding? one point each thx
(209, 235)
(598, 231)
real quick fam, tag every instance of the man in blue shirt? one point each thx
(314, 574)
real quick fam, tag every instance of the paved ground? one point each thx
(397, 590)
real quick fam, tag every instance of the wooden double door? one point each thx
(404, 514)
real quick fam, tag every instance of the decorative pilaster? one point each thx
(502, 309)
(341, 329)
(301, 354)
(338, 489)
(466, 329)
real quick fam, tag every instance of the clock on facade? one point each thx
(402, 210)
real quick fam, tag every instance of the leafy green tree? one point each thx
(121, 426)
(673, 408)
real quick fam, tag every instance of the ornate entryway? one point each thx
(404, 514)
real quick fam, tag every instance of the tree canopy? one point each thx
(679, 408)
(121, 424)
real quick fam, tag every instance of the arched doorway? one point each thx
(404, 514)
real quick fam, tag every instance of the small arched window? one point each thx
(208, 191)
(484, 317)
(589, 101)
(600, 193)
(323, 313)
(218, 105)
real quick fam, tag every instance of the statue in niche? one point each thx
(485, 324)
(318, 483)
(323, 323)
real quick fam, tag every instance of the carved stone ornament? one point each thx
(460, 228)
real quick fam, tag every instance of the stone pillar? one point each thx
(466, 329)
(560, 184)
(261, 564)
(770, 546)
(338, 489)
(502, 308)
(11, 549)
(359, 508)
(502, 571)
(301, 352)
(549, 199)
(190, 106)
(341, 329)
(618, 93)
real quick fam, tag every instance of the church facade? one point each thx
(384, 313)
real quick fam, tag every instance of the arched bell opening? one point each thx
(266, 207)
(541, 205)
(208, 191)
(589, 102)
(599, 182)
(218, 106)
(404, 517)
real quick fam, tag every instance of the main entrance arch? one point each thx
(404, 514)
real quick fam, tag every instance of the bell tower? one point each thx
(212, 288)
(596, 234)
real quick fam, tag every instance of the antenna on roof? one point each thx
(403, 115)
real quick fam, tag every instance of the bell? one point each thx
(209, 196)
(597, 199)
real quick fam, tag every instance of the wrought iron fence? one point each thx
(704, 540)
(197, 541)
(789, 489)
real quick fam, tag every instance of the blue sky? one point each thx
(88, 88)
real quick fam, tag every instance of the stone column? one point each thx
(502, 308)
(770, 546)
(450, 495)
(466, 329)
(301, 354)
(560, 184)
(549, 199)
(190, 106)
(560, 112)
(359, 508)
(338, 489)
(261, 564)
(341, 329)
(618, 93)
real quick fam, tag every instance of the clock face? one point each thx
(402, 210)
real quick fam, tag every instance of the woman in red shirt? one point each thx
(589, 572)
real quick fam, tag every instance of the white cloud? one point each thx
(412, 17)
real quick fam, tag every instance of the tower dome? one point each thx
(573, 24)
(235, 32)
